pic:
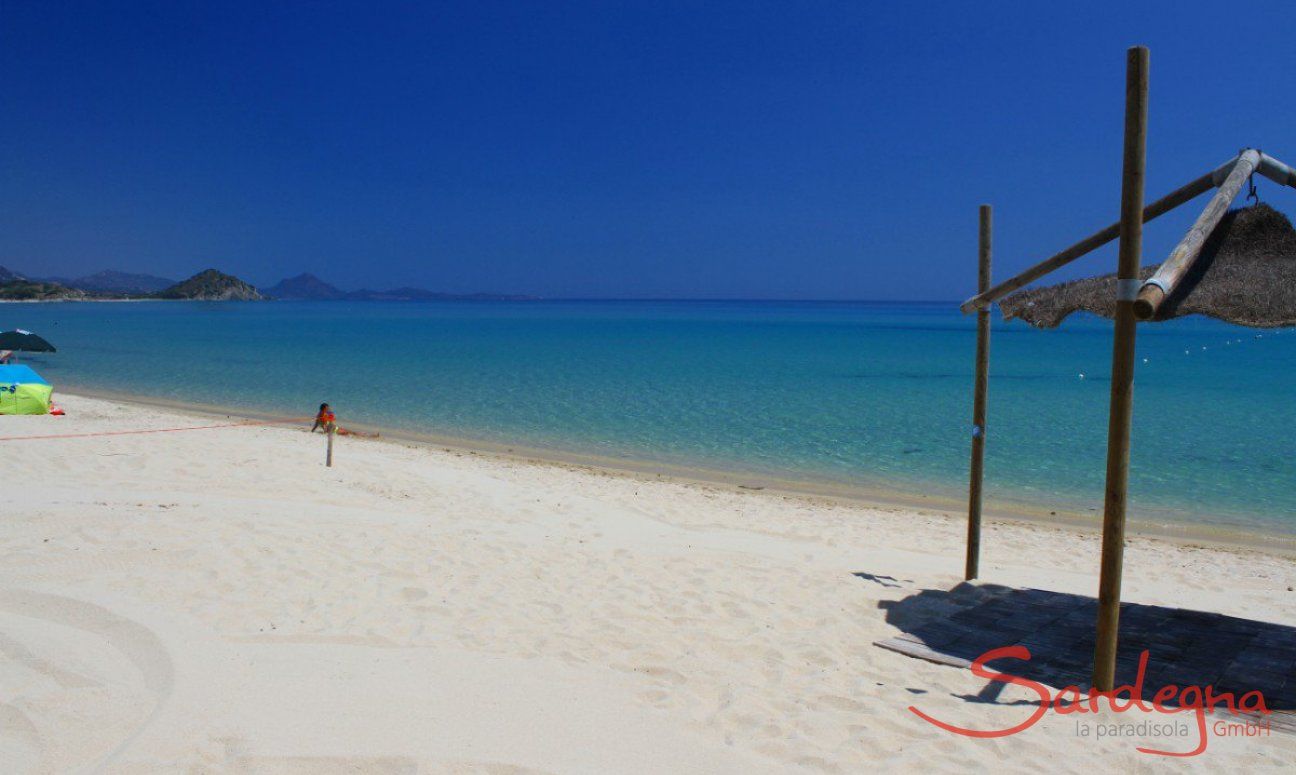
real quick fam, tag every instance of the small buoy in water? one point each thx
(1145, 360)
(1203, 347)
(1185, 352)
(1082, 375)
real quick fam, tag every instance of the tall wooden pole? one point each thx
(979, 387)
(328, 454)
(1122, 374)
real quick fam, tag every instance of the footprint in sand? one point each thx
(661, 674)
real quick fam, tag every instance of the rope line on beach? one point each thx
(240, 424)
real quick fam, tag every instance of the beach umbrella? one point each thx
(1238, 266)
(24, 341)
(1246, 274)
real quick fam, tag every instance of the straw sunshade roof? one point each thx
(1246, 274)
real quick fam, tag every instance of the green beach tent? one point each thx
(23, 391)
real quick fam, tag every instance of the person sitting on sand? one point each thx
(325, 419)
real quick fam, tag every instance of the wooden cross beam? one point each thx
(1262, 164)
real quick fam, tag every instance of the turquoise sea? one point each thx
(859, 394)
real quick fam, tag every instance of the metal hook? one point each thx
(1252, 195)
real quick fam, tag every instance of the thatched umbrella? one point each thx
(1246, 274)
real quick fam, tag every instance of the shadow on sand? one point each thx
(1185, 647)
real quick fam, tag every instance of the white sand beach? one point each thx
(219, 601)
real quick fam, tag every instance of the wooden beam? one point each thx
(1276, 171)
(1122, 376)
(979, 388)
(1165, 204)
(1158, 287)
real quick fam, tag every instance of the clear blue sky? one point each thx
(656, 149)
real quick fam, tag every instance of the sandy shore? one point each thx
(1198, 530)
(217, 600)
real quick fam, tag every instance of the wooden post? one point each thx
(972, 567)
(1172, 270)
(328, 456)
(1122, 375)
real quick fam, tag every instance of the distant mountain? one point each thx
(108, 283)
(15, 287)
(304, 287)
(27, 290)
(211, 285)
(422, 294)
(113, 282)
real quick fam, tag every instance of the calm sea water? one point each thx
(854, 393)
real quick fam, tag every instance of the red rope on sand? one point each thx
(243, 423)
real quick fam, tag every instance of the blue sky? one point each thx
(752, 150)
